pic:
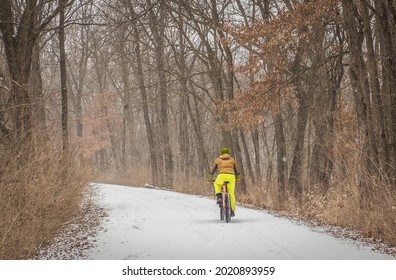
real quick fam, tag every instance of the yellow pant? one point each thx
(221, 178)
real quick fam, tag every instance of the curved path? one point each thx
(148, 224)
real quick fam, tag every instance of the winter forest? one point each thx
(303, 93)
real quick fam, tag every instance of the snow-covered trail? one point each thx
(157, 224)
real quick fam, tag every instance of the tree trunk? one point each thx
(18, 46)
(375, 90)
(256, 145)
(323, 112)
(183, 120)
(295, 177)
(386, 27)
(38, 106)
(157, 28)
(63, 78)
(201, 151)
(247, 158)
(280, 155)
(143, 94)
(360, 83)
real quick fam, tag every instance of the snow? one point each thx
(154, 224)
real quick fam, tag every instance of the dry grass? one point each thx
(341, 206)
(133, 177)
(36, 201)
(195, 185)
(139, 177)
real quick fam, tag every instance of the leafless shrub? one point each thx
(37, 199)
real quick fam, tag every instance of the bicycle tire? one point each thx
(223, 206)
(228, 208)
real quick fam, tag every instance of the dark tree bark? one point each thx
(38, 106)
(63, 78)
(195, 117)
(19, 38)
(143, 94)
(247, 158)
(386, 28)
(257, 162)
(19, 34)
(184, 143)
(280, 155)
(157, 28)
(303, 98)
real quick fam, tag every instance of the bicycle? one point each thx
(225, 205)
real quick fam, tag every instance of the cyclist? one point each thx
(227, 169)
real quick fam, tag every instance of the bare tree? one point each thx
(63, 77)
(157, 22)
(20, 30)
(143, 93)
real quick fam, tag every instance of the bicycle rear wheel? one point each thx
(223, 206)
(228, 208)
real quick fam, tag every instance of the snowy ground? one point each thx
(145, 224)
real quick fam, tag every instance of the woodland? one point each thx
(303, 93)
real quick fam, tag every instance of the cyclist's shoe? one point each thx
(232, 213)
(218, 200)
